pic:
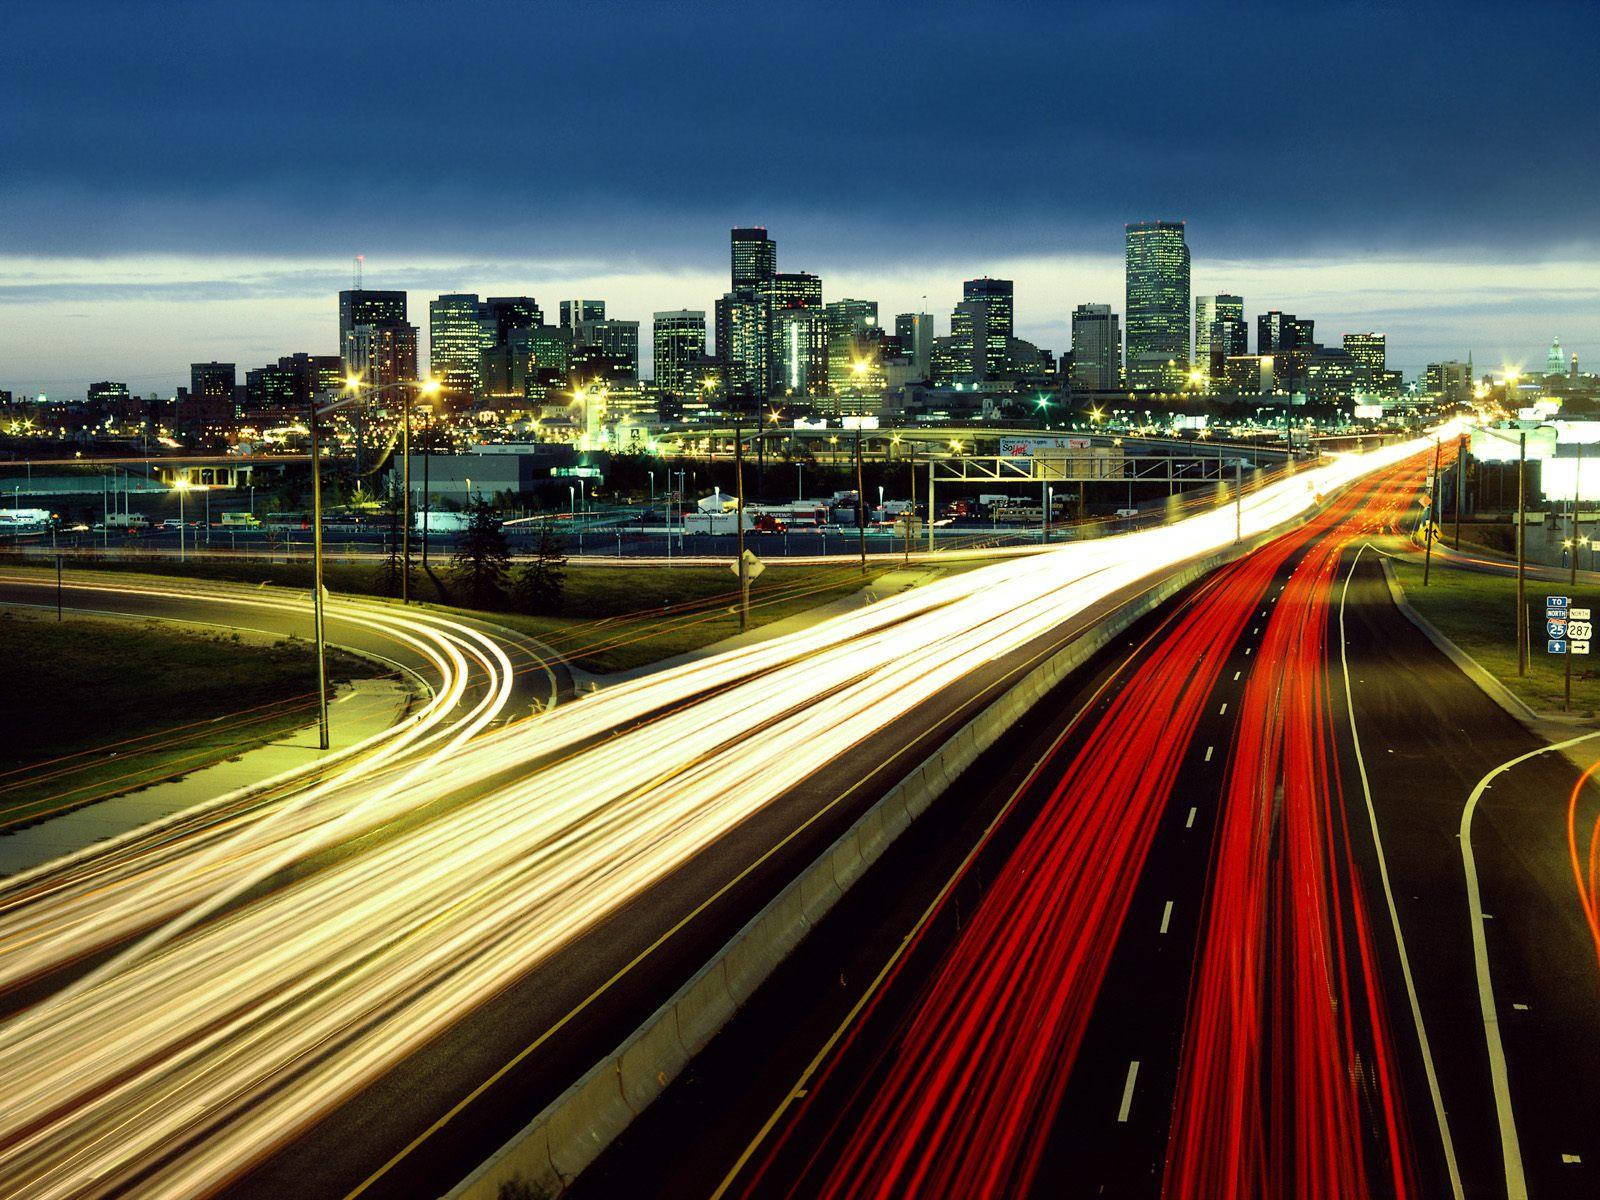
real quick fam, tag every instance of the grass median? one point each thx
(106, 706)
(612, 618)
(1477, 611)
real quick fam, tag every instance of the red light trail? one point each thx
(1278, 1073)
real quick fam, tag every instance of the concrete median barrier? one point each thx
(574, 1128)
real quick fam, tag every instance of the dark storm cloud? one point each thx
(886, 133)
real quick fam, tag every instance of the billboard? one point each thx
(1026, 447)
(1500, 445)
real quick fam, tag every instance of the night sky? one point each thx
(186, 181)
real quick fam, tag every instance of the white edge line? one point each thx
(1446, 1143)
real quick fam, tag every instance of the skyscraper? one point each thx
(1208, 310)
(993, 337)
(799, 351)
(851, 325)
(744, 315)
(502, 314)
(618, 341)
(743, 343)
(575, 311)
(456, 336)
(363, 306)
(212, 380)
(1157, 304)
(797, 331)
(1370, 350)
(679, 339)
(755, 260)
(383, 355)
(915, 334)
(1096, 348)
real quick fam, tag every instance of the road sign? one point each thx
(1578, 614)
(1558, 601)
(753, 566)
(1555, 629)
(1556, 646)
(1580, 647)
(1580, 631)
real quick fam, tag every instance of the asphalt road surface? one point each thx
(786, 1091)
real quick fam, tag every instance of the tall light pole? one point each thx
(1522, 555)
(861, 502)
(744, 567)
(1577, 494)
(316, 582)
(352, 395)
(1430, 518)
(408, 388)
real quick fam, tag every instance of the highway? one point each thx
(364, 994)
(1088, 977)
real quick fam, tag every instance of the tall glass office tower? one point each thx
(1156, 315)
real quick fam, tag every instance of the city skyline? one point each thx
(253, 319)
(171, 185)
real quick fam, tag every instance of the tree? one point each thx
(482, 562)
(393, 561)
(539, 584)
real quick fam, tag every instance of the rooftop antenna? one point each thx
(360, 258)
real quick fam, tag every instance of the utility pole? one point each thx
(744, 567)
(1461, 485)
(405, 502)
(1429, 517)
(861, 502)
(931, 462)
(1522, 555)
(316, 583)
(427, 455)
(911, 502)
(1577, 493)
(1238, 500)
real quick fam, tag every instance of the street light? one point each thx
(181, 485)
(352, 394)
(407, 387)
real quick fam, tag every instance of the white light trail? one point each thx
(232, 1026)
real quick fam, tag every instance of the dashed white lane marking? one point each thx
(1520, 1007)
(1166, 916)
(1127, 1092)
(1236, 675)
(1223, 711)
(1189, 824)
(1247, 649)
(1209, 749)
(1570, 1160)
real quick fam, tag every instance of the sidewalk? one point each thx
(361, 709)
(888, 584)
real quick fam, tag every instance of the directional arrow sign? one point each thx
(1557, 646)
(1580, 647)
